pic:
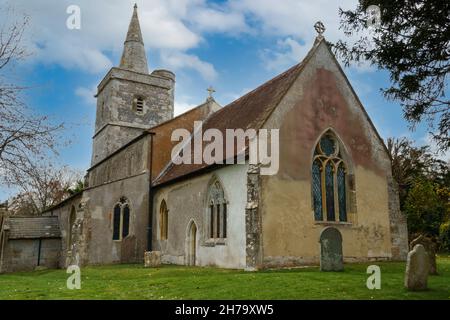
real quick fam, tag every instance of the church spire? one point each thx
(133, 57)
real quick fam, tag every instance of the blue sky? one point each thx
(232, 45)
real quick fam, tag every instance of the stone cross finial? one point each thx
(210, 92)
(320, 28)
(135, 5)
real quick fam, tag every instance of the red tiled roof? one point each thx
(249, 111)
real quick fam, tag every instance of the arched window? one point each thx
(125, 221)
(329, 179)
(217, 212)
(121, 220)
(163, 220)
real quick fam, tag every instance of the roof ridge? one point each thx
(178, 116)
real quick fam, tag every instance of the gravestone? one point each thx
(152, 259)
(430, 248)
(417, 269)
(331, 257)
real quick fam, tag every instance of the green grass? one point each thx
(176, 282)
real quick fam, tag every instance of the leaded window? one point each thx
(121, 220)
(329, 178)
(217, 212)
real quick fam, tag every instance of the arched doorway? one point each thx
(192, 245)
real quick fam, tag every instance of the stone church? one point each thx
(334, 171)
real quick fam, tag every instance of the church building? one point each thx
(334, 171)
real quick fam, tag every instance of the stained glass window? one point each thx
(327, 145)
(328, 181)
(341, 193)
(329, 187)
(317, 189)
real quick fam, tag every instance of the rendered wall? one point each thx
(186, 202)
(319, 100)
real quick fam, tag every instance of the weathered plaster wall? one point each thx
(99, 205)
(123, 175)
(130, 161)
(23, 254)
(321, 99)
(63, 214)
(186, 201)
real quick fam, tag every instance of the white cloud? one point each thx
(288, 52)
(180, 60)
(294, 20)
(87, 94)
(429, 141)
(182, 107)
(211, 20)
(173, 25)
(165, 26)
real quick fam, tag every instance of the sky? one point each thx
(232, 45)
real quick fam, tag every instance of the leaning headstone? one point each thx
(331, 257)
(152, 259)
(417, 269)
(430, 248)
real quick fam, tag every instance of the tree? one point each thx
(424, 209)
(413, 44)
(43, 187)
(25, 138)
(411, 163)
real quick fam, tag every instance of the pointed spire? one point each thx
(133, 57)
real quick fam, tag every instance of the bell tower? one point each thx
(129, 98)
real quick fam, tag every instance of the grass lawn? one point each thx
(177, 282)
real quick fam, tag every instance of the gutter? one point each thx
(150, 196)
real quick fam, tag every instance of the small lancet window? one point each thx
(164, 219)
(329, 179)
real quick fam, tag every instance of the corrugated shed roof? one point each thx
(249, 111)
(32, 227)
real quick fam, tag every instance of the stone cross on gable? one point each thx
(210, 92)
(320, 28)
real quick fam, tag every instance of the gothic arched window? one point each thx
(217, 212)
(163, 220)
(329, 179)
(121, 220)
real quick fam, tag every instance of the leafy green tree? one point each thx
(424, 209)
(410, 163)
(77, 188)
(412, 42)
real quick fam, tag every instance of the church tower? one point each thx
(129, 98)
